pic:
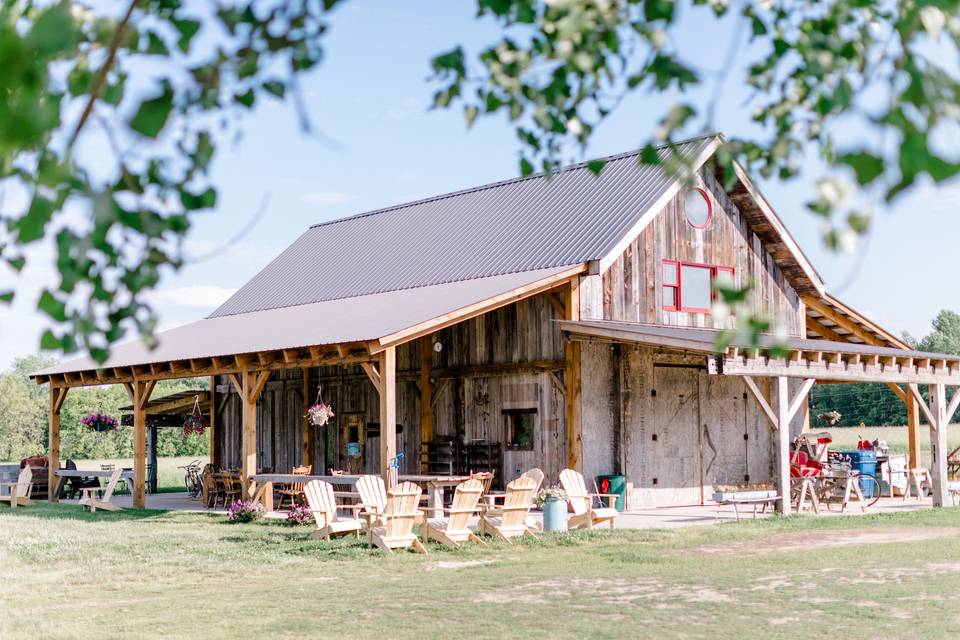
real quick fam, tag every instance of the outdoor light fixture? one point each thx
(437, 346)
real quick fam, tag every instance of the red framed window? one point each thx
(688, 286)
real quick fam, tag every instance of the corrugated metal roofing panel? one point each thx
(331, 322)
(513, 226)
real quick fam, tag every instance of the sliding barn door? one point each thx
(673, 462)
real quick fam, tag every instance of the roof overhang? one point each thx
(347, 331)
(822, 360)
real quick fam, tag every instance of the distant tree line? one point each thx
(875, 404)
(24, 418)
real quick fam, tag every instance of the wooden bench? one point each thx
(90, 500)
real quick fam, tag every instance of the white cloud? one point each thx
(326, 197)
(192, 296)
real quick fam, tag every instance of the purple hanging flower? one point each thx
(100, 422)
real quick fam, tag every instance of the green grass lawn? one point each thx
(150, 574)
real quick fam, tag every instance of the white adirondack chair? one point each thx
(393, 529)
(509, 520)
(323, 505)
(20, 490)
(89, 499)
(537, 476)
(453, 528)
(585, 515)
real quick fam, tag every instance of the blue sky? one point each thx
(371, 96)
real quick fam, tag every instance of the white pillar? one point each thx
(783, 444)
(938, 444)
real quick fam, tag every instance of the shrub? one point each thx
(299, 515)
(245, 511)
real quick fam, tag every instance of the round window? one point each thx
(698, 208)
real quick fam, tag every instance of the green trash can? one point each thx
(614, 483)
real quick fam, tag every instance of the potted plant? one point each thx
(245, 511)
(553, 502)
(196, 422)
(100, 422)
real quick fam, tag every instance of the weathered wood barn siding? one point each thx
(510, 358)
(632, 286)
(673, 430)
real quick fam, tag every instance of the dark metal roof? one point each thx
(517, 225)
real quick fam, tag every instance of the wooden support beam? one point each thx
(372, 373)
(309, 442)
(938, 446)
(898, 391)
(761, 400)
(57, 397)
(251, 384)
(843, 321)
(823, 331)
(927, 413)
(215, 454)
(783, 444)
(236, 382)
(913, 431)
(141, 392)
(799, 398)
(426, 389)
(573, 382)
(388, 411)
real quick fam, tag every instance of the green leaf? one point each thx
(596, 166)
(246, 99)
(526, 168)
(6, 297)
(156, 46)
(52, 307)
(187, 29)
(275, 87)
(49, 342)
(205, 200)
(153, 114)
(867, 166)
(30, 227)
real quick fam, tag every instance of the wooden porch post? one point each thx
(309, 447)
(251, 385)
(57, 396)
(214, 436)
(139, 393)
(426, 389)
(913, 432)
(783, 444)
(938, 444)
(573, 383)
(388, 410)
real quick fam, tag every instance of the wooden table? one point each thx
(63, 474)
(434, 486)
(266, 481)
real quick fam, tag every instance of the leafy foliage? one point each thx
(817, 70)
(108, 126)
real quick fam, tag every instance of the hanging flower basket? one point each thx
(196, 422)
(319, 412)
(100, 422)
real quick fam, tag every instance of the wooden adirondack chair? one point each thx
(373, 495)
(395, 530)
(585, 515)
(19, 490)
(453, 529)
(323, 505)
(509, 521)
(89, 499)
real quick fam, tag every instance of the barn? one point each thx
(552, 323)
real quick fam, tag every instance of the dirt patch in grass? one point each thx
(812, 540)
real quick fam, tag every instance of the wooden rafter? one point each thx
(842, 321)
(915, 393)
(823, 331)
(371, 370)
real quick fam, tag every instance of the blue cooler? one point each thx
(864, 461)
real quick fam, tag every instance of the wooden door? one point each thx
(724, 437)
(673, 461)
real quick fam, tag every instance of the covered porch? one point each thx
(789, 378)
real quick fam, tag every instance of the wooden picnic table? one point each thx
(63, 474)
(434, 486)
(265, 482)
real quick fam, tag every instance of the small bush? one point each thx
(299, 515)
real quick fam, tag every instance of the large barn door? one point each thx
(724, 436)
(673, 463)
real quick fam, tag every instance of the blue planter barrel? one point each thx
(864, 461)
(555, 515)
